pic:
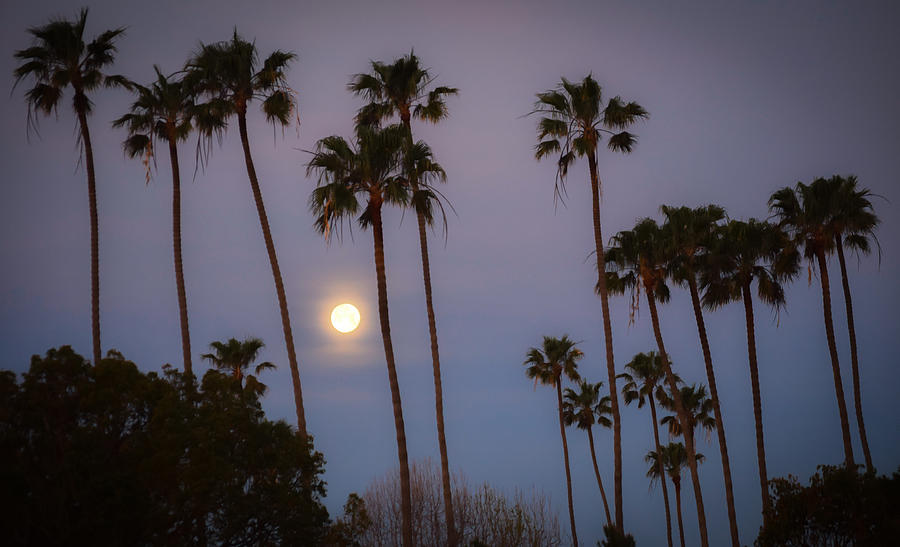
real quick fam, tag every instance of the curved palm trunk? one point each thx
(95, 225)
(854, 358)
(438, 388)
(179, 268)
(562, 432)
(276, 274)
(757, 402)
(597, 473)
(682, 418)
(452, 538)
(678, 508)
(607, 335)
(405, 503)
(662, 470)
(835, 365)
(714, 397)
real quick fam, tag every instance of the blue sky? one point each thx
(743, 99)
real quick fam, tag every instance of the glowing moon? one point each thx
(345, 318)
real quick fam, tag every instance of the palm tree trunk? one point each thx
(854, 358)
(717, 410)
(452, 538)
(438, 388)
(562, 432)
(678, 506)
(757, 402)
(95, 225)
(662, 469)
(607, 335)
(276, 274)
(682, 418)
(405, 503)
(835, 366)
(179, 267)
(597, 473)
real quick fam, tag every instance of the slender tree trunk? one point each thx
(276, 274)
(384, 317)
(714, 396)
(438, 387)
(835, 365)
(662, 469)
(452, 538)
(678, 506)
(597, 473)
(682, 418)
(757, 403)
(607, 335)
(95, 224)
(179, 267)
(854, 357)
(562, 433)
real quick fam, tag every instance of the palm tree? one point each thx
(806, 212)
(585, 408)
(643, 382)
(673, 458)
(57, 59)
(744, 252)
(853, 223)
(557, 357)
(368, 169)
(698, 406)
(402, 88)
(164, 111)
(235, 357)
(573, 122)
(640, 256)
(229, 74)
(690, 232)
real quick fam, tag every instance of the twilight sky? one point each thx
(743, 100)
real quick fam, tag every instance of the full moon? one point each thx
(345, 318)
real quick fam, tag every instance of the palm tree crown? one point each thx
(645, 379)
(555, 358)
(698, 406)
(585, 407)
(236, 356)
(574, 121)
(400, 88)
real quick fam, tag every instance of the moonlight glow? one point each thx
(345, 318)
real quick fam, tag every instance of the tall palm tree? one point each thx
(404, 88)
(164, 111)
(744, 252)
(690, 232)
(574, 120)
(585, 408)
(673, 458)
(60, 58)
(640, 257)
(644, 377)
(853, 223)
(368, 169)
(557, 357)
(229, 73)
(806, 212)
(235, 357)
(698, 406)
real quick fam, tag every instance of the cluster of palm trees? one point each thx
(715, 258)
(718, 260)
(383, 164)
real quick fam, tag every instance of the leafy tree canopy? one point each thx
(109, 455)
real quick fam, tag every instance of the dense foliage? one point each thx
(839, 507)
(108, 455)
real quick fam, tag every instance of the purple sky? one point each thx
(743, 100)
